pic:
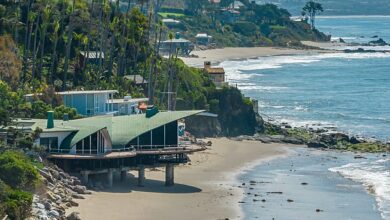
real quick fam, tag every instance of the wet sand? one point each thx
(206, 188)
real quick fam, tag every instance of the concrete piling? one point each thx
(141, 175)
(123, 175)
(110, 177)
(169, 175)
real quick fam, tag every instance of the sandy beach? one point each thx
(231, 53)
(204, 189)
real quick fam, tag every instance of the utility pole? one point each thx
(169, 108)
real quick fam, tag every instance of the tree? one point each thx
(9, 104)
(196, 7)
(226, 3)
(311, 9)
(10, 65)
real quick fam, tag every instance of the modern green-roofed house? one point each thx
(119, 133)
(107, 142)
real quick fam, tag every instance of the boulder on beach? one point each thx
(73, 216)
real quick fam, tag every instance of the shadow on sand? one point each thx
(150, 185)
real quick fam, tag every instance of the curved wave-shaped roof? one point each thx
(122, 129)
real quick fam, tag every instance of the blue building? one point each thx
(87, 103)
(90, 103)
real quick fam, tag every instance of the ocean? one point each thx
(348, 91)
(310, 184)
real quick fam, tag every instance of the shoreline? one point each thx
(207, 188)
(216, 56)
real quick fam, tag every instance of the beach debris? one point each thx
(241, 202)
(304, 184)
(359, 157)
(274, 192)
(243, 184)
(290, 200)
(262, 182)
(255, 200)
(263, 200)
(319, 210)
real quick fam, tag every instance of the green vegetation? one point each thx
(311, 10)
(369, 147)
(300, 133)
(18, 179)
(345, 7)
(170, 15)
(336, 141)
(249, 25)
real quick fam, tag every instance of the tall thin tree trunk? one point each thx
(67, 55)
(26, 43)
(35, 51)
(43, 38)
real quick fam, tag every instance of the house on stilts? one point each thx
(114, 145)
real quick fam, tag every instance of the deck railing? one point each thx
(124, 149)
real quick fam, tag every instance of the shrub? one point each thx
(61, 110)
(246, 28)
(39, 109)
(18, 204)
(17, 171)
(214, 105)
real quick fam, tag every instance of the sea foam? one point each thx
(375, 176)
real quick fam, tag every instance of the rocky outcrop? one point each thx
(235, 113)
(59, 193)
(203, 126)
(379, 42)
(271, 139)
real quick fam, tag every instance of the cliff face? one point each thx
(203, 126)
(236, 116)
(235, 112)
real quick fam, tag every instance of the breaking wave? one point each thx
(375, 176)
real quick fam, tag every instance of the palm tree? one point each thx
(56, 28)
(45, 22)
(312, 9)
(68, 40)
(170, 73)
(29, 19)
(35, 51)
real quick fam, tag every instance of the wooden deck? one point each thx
(112, 155)
(129, 154)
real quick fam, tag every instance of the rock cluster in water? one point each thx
(320, 137)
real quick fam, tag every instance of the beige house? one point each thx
(217, 74)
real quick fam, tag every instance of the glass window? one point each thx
(50, 142)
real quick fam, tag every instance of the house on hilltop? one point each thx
(93, 57)
(217, 74)
(203, 39)
(181, 45)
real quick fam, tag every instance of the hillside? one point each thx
(243, 24)
(336, 7)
